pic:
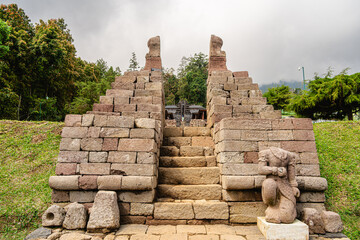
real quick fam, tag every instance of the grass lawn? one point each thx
(28, 155)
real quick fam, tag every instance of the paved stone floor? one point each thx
(179, 232)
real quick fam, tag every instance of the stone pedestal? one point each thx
(294, 231)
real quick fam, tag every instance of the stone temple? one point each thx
(135, 165)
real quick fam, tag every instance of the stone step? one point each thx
(196, 161)
(186, 131)
(194, 192)
(186, 151)
(189, 176)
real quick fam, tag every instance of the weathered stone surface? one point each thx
(105, 212)
(97, 107)
(60, 196)
(73, 156)
(141, 209)
(230, 157)
(142, 133)
(190, 175)
(191, 229)
(196, 192)
(237, 169)
(189, 151)
(137, 196)
(110, 132)
(82, 196)
(211, 210)
(204, 237)
(146, 158)
(297, 230)
(173, 132)
(69, 144)
(138, 183)
(125, 108)
(241, 196)
(74, 132)
(219, 229)
(234, 146)
(132, 229)
(196, 131)
(312, 197)
(173, 211)
(110, 144)
(133, 169)
(111, 182)
(53, 216)
(121, 100)
(308, 170)
(183, 161)
(312, 218)
(76, 216)
(75, 235)
(65, 169)
(95, 168)
(120, 122)
(39, 233)
(177, 141)
(145, 123)
(93, 132)
(98, 157)
(91, 144)
(251, 157)
(137, 145)
(73, 120)
(122, 157)
(169, 151)
(64, 182)
(238, 182)
(88, 182)
(246, 212)
(332, 221)
(312, 183)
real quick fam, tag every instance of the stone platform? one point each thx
(170, 232)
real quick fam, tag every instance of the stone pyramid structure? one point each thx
(182, 175)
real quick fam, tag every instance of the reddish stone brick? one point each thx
(74, 132)
(243, 74)
(121, 100)
(149, 107)
(110, 144)
(251, 157)
(299, 146)
(302, 123)
(125, 107)
(122, 85)
(93, 132)
(106, 100)
(88, 182)
(304, 135)
(137, 145)
(95, 168)
(73, 120)
(282, 124)
(97, 107)
(139, 100)
(91, 144)
(65, 169)
(119, 93)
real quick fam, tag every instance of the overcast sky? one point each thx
(268, 38)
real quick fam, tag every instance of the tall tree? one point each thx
(279, 97)
(134, 65)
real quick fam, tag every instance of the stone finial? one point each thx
(217, 58)
(153, 59)
(215, 47)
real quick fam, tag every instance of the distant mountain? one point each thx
(291, 84)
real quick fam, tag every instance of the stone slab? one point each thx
(295, 231)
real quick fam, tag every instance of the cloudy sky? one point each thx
(269, 38)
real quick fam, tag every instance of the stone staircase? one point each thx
(189, 179)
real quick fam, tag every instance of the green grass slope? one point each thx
(338, 145)
(28, 154)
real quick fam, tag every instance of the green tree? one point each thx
(4, 36)
(329, 98)
(279, 97)
(134, 65)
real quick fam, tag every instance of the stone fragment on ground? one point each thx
(53, 216)
(76, 216)
(39, 233)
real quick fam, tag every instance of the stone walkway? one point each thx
(179, 232)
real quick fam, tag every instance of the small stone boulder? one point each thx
(312, 218)
(332, 221)
(105, 213)
(53, 217)
(76, 216)
(75, 236)
(39, 233)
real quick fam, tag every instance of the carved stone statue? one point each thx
(217, 58)
(153, 59)
(280, 187)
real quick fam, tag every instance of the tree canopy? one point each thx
(279, 97)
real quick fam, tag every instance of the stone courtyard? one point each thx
(138, 177)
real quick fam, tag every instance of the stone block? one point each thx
(238, 182)
(302, 123)
(97, 107)
(282, 124)
(242, 109)
(177, 141)
(74, 132)
(65, 169)
(169, 151)
(122, 85)
(72, 120)
(217, 117)
(88, 182)
(60, 196)
(64, 182)
(304, 135)
(239, 169)
(110, 132)
(234, 146)
(69, 144)
(105, 212)
(196, 131)
(125, 108)
(146, 158)
(122, 157)
(220, 229)
(246, 212)
(141, 209)
(230, 86)
(110, 144)
(202, 142)
(299, 146)
(228, 134)
(210, 210)
(91, 144)
(126, 78)
(106, 100)
(120, 122)
(254, 101)
(308, 158)
(300, 207)
(241, 74)
(191, 151)
(87, 120)
(133, 169)
(93, 132)
(312, 197)
(190, 175)
(142, 133)
(146, 93)
(271, 115)
(296, 230)
(262, 108)
(251, 157)
(82, 196)
(251, 135)
(332, 221)
(210, 161)
(307, 170)
(153, 85)
(241, 196)
(112, 182)
(267, 144)
(119, 93)
(98, 157)
(312, 218)
(138, 183)
(230, 157)
(173, 132)
(121, 100)
(135, 114)
(137, 196)
(54, 216)
(259, 181)
(137, 145)
(76, 216)
(139, 100)
(246, 124)
(100, 120)
(284, 135)
(173, 211)
(124, 208)
(196, 192)
(95, 168)
(149, 107)
(145, 123)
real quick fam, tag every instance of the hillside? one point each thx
(29, 152)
